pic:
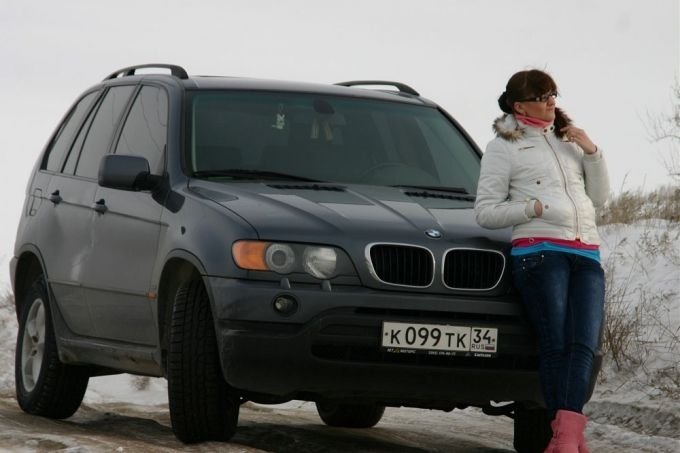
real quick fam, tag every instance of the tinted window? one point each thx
(74, 153)
(66, 132)
(144, 133)
(101, 131)
(330, 139)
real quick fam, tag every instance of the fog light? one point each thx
(285, 305)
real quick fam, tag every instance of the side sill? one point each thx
(133, 359)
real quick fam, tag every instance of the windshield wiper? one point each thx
(241, 173)
(460, 190)
(449, 193)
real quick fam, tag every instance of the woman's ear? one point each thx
(518, 108)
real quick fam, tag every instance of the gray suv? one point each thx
(263, 241)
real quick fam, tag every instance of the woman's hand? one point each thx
(538, 208)
(579, 136)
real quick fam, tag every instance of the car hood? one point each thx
(325, 212)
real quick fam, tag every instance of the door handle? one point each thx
(55, 197)
(100, 206)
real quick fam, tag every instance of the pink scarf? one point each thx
(533, 122)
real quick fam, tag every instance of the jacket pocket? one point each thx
(529, 157)
(557, 211)
(528, 262)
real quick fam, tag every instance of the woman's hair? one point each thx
(525, 85)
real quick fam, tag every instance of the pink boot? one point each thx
(568, 436)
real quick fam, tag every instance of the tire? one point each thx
(532, 430)
(202, 406)
(350, 415)
(44, 385)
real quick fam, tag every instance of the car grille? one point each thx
(402, 264)
(473, 269)
(413, 266)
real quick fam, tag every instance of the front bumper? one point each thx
(331, 347)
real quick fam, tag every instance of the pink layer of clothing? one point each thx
(534, 122)
(576, 243)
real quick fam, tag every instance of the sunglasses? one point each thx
(542, 98)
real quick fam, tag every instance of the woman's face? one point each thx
(541, 107)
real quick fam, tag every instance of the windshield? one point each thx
(245, 135)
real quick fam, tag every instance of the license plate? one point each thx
(439, 339)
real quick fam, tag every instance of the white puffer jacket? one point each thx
(524, 164)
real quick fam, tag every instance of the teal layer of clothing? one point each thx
(547, 246)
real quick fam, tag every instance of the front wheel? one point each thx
(44, 385)
(202, 405)
(350, 415)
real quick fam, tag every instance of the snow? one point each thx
(127, 388)
(8, 333)
(635, 408)
(645, 260)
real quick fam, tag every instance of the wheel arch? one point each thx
(29, 265)
(179, 267)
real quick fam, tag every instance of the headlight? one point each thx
(320, 262)
(280, 258)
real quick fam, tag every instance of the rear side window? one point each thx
(72, 159)
(145, 130)
(67, 131)
(101, 131)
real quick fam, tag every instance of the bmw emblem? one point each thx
(433, 234)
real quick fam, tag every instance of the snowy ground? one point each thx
(124, 425)
(637, 410)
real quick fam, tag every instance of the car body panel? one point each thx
(66, 242)
(117, 286)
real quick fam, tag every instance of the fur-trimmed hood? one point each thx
(507, 127)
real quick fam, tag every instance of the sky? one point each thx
(615, 62)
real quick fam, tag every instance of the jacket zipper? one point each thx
(566, 189)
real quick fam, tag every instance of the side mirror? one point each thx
(125, 172)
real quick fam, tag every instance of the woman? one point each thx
(545, 177)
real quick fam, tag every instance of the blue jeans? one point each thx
(563, 294)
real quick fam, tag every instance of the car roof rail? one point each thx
(402, 87)
(175, 70)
